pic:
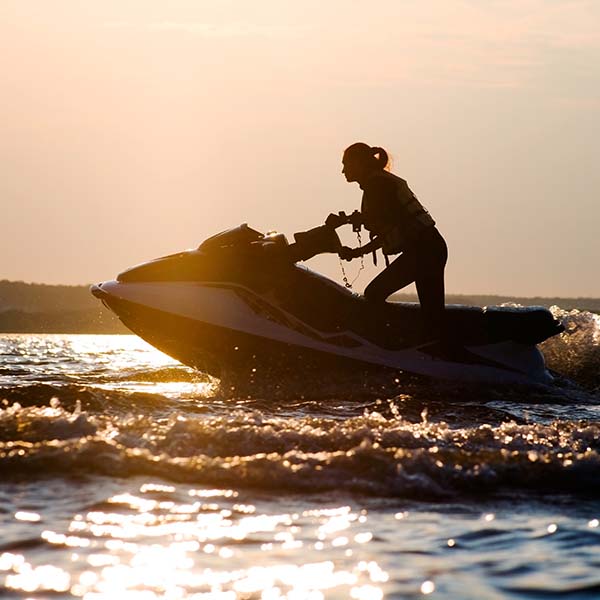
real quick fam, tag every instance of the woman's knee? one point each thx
(374, 293)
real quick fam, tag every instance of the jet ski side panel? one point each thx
(219, 350)
(216, 323)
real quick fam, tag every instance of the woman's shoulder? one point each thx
(383, 183)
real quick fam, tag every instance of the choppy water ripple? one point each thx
(148, 538)
(368, 453)
(127, 475)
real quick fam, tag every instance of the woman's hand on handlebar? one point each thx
(336, 220)
(341, 218)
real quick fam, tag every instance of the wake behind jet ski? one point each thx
(240, 303)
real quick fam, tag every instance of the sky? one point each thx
(130, 129)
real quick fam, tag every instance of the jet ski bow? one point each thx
(241, 303)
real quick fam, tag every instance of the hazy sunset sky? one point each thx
(132, 129)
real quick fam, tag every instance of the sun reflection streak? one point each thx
(102, 361)
(155, 544)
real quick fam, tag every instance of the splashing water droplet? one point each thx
(427, 587)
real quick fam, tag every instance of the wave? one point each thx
(575, 353)
(179, 374)
(89, 398)
(366, 454)
(401, 437)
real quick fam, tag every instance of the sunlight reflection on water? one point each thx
(146, 545)
(106, 362)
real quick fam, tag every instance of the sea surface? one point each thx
(125, 475)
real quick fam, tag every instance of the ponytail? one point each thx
(375, 157)
(381, 156)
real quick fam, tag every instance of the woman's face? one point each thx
(352, 169)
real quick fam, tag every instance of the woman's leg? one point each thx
(402, 272)
(430, 287)
(425, 266)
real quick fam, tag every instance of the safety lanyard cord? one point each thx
(347, 283)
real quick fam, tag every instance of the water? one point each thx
(126, 475)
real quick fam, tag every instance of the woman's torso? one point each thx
(391, 210)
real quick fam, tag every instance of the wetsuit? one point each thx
(398, 223)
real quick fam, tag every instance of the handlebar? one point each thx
(354, 219)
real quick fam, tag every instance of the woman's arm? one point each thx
(373, 245)
(351, 253)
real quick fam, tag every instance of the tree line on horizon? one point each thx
(42, 308)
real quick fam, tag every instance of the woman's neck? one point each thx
(364, 178)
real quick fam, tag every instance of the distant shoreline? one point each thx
(40, 308)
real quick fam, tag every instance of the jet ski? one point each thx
(241, 303)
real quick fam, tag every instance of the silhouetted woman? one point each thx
(398, 224)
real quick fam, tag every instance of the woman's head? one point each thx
(361, 160)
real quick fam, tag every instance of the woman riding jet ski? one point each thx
(398, 223)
